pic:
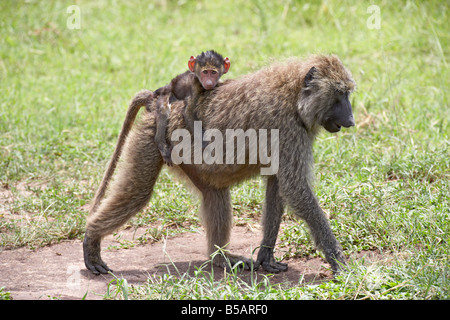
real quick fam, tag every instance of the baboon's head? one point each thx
(324, 99)
(209, 66)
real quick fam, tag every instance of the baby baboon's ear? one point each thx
(309, 77)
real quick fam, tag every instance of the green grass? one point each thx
(384, 183)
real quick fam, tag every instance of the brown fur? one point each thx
(272, 98)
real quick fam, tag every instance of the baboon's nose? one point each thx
(209, 84)
(349, 123)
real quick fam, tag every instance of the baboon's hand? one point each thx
(337, 261)
(268, 262)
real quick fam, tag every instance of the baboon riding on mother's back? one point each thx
(296, 98)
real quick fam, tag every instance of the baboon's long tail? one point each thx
(142, 98)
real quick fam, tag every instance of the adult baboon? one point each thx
(297, 98)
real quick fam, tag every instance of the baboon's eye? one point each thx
(205, 71)
(214, 72)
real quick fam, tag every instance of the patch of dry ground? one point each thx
(59, 271)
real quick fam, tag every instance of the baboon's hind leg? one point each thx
(129, 193)
(217, 217)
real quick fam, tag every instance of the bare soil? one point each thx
(58, 271)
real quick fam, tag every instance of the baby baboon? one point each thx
(295, 97)
(204, 73)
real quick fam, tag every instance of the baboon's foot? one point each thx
(97, 267)
(231, 261)
(167, 159)
(92, 259)
(166, 154)
(268, 262)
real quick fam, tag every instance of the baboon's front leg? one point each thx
(299, 196)
(129, 192)
(324, 238)
(271, 225)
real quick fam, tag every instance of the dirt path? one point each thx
(58, 270)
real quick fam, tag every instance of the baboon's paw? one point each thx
(268, 262)
(233, 261)
(92, 259)
(274, 267)
(167, 158)
(98, 268)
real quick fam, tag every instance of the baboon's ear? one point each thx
(226, 65)
(191, 64)
(309, 76)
